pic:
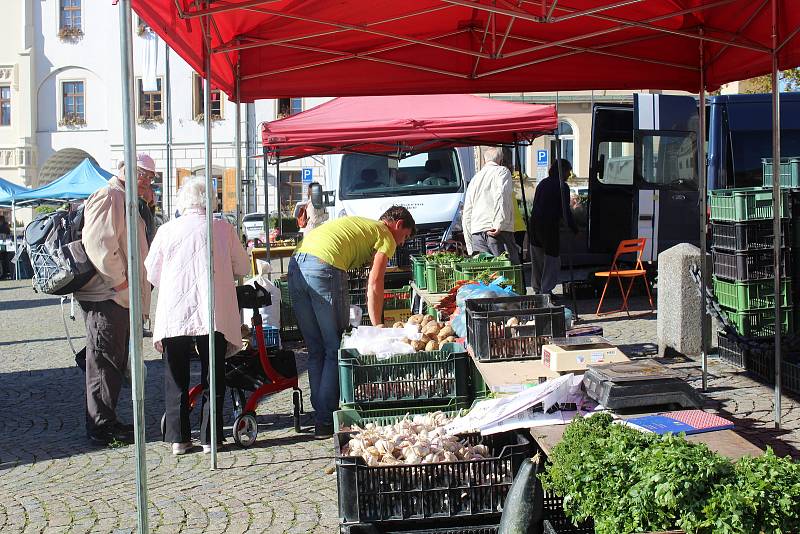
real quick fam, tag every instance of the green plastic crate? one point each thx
(760, 323)
(418, 271)
(404, 380)
(745, 204)
(512, 273)
(347, 417)
(789, 172)
(441, 277)
(742, 296)
(397, 299)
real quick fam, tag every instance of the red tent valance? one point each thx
(391, 124)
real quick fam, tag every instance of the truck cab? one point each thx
(429, 184)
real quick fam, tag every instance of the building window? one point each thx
(291, 190)
(289, 106)
(567, 138)
(70, 24)
(5, 105)
(199, 100)
(150, 103)
(73, 111)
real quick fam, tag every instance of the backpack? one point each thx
(302, 216)
(59, 261)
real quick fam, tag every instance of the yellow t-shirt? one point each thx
(348, 242)
(519, 221)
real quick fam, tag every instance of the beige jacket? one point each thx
(488, 202)
(106, 242)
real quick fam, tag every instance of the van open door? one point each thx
(611, 184)
(665, 171)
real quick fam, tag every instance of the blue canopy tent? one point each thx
(9, 191)
(78, 183)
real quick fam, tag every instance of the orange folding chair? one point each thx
(628, 246)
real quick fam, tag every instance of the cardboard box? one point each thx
(576, 354)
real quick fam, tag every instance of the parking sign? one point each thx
(542, 158)
(308, 175)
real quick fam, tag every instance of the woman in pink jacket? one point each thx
(177, 265)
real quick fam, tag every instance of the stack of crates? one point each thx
(743, 265)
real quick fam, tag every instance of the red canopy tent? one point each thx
(403, 125)
(288, 48)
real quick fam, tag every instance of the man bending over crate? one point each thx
(318, 287)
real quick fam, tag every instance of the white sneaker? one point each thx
(181, 448)
(207, 448)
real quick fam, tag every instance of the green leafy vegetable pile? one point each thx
(629, 481)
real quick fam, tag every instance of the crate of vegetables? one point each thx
(427, 377)
(512, 328)
(413, 470)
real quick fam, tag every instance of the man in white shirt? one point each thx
(488, 217)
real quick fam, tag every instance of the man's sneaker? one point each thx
(181, 448)
(323, 431)
(207, 447)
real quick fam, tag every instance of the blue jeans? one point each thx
(319, 299)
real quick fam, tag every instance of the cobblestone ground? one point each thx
(52, 480)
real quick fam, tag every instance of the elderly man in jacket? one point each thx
(488, 216)
(105, 301)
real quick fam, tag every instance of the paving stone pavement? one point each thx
(52, 480)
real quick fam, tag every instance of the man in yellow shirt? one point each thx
(318, 287)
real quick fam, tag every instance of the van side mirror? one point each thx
(329, 198)
(316, 196)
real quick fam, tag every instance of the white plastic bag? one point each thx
(270, 315)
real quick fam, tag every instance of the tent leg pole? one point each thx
(167, 181)
(237, 143)
(776, 211)
(14, 231)
(210, 200)
(701, 170)
(524, 203)
(134, 273)
(266, 206)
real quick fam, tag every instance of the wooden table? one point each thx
(275, 253)
(513, 376)
(426, 297)
(726, 442)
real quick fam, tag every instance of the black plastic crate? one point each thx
(761, 364)
(730, 350)
(424, 527)
(419, 245)
(551, 526)
(743, 237)
(752, 265)
(469, 489)
(491, 338)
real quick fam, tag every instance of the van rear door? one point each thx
(665, 171)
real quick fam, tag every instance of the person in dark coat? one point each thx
(549, 209)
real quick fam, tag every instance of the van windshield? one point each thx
(366, 176)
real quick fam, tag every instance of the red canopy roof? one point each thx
(288, 48)
(388, 124)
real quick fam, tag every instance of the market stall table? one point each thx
(275, 253)
(422, 298)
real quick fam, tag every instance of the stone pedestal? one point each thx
(679, 314)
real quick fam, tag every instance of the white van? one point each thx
(430, 185)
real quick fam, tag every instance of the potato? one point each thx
(425, 338)
(512, 322)
(380, 325)
(431, 329)
(398, 324)
(445, 332)
(426, 319)
(418, 345)
(432, 345)
(450, 339)
(416, 319)
(406, 341)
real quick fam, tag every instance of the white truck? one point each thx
(430, 185)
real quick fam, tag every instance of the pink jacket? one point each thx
(177, 265)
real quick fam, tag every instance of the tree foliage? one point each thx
(763, 84)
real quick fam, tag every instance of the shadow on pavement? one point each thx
(41, 340)
(27, 304)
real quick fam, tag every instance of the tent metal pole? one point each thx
(266, 205)
(14, 231)
(237, 143)
(168, 118)
(776, 209)
(210, 199)
(701, 171)
(134, 273)
(279, 222)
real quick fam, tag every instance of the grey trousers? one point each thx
(545, 271)
(107, 334)
(496, 245)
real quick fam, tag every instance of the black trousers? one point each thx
(107, 329)
(177, 356)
